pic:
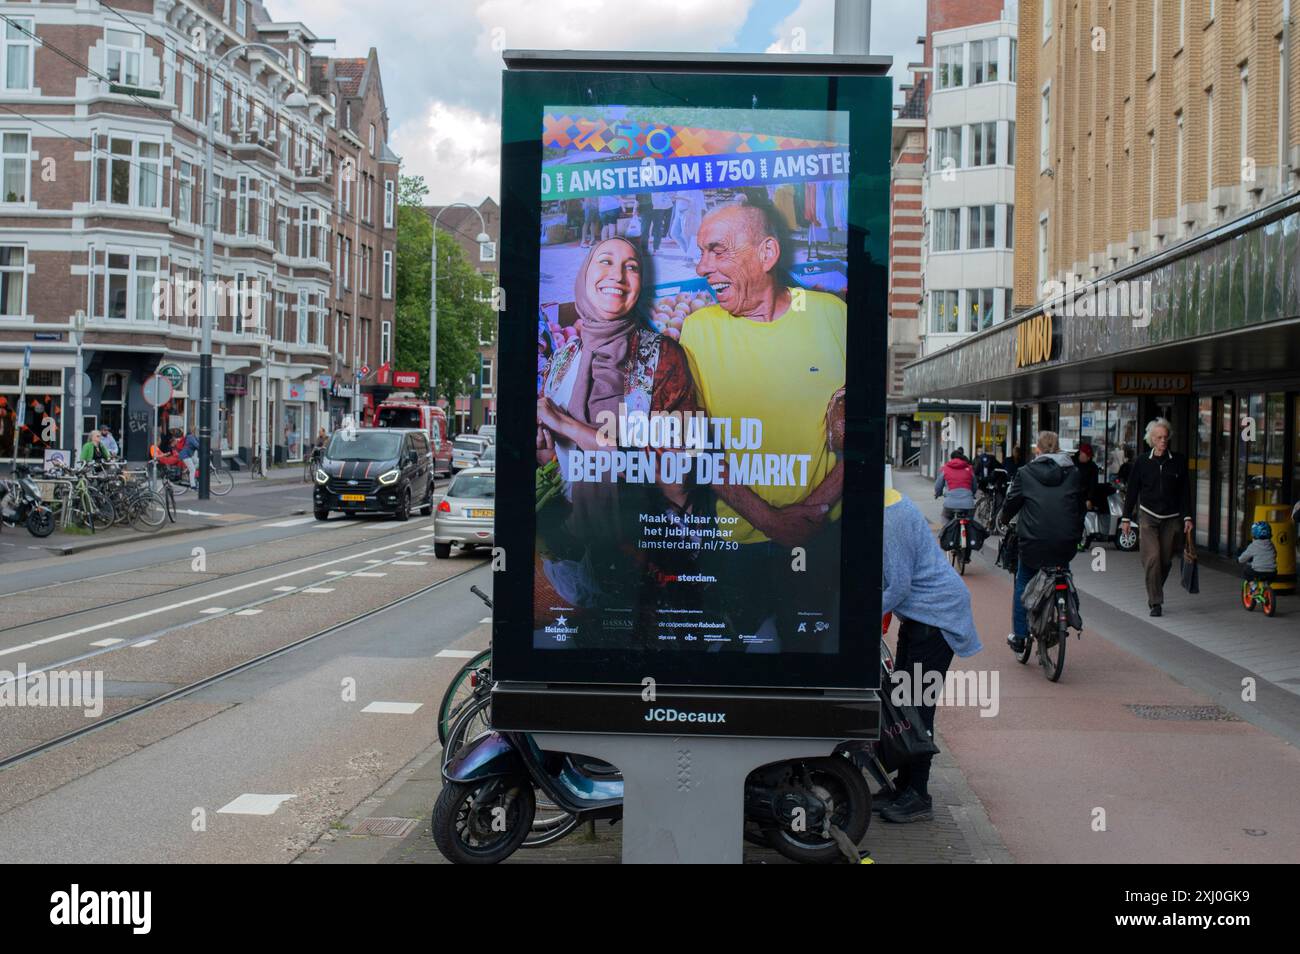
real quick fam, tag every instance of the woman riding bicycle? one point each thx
(956, 484)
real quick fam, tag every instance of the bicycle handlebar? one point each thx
(481, 595)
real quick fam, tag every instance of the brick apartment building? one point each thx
(480, 405)
(1160, 146)
(103, 125)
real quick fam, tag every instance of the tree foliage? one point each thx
(463, 298)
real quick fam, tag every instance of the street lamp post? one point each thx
(294, 100)
(78, 389)
(482, 239)
(263, 414)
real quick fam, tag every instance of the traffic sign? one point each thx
(157, 390)
(365, 369)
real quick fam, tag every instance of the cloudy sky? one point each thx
(441, 61)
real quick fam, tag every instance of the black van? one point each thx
(375, 470)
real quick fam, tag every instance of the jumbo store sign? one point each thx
(1035, 341)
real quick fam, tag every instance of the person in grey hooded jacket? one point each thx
(1047, 495)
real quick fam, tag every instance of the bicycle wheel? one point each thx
(221, 481)
(105, 512)
(81, 511)
(1052, 658)
(169, 500)
(1022, 657)
(459, 693)
(148, 512)
(470, 724)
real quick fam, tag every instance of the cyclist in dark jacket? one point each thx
(1047, 495)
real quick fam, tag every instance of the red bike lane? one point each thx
(1069, 774)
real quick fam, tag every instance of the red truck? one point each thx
(404, 409)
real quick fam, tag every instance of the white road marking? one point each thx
(337, 573)
(370, 574)
(486, 619)
(374, 561)
(296, 522)
(199, 513)
(394, 708)
(251, 804)
(211, 610)
(457, 654)
(285, 589)
(319, 589)
(248, 612)
(108, 624)
(403, 552)
(105, 642)
(142, 643)
(410, 563)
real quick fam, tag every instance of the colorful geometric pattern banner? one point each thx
(632, 139)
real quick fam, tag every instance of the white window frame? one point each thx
(1043, 239)
(185, 191)
(23, 156)
(125, 55)
(20, 271)
(982, 216)
(321, 309)
(300, 314)
(985, 128)
(16, 39)
(242, 205)
(372, 139)
(940, 221)
(1045, 128)
(218, 105)
(485, 373)
(1243, 131)
(134, 275)
(137, 169)
(189, 88)
(1209, 151)
(390, 202)
(385, 341)
(281, 313)
(241, 16)
(1047, 20)
(388, 273)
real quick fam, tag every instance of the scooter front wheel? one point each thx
(843, 790)
(483, 823)
(40, 522)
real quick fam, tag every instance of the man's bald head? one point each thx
(741, 251)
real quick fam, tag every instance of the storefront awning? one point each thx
(1218, 306)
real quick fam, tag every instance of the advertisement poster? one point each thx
(690, 381)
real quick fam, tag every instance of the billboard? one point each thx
(699, 272)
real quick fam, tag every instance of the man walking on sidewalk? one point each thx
(1158, 486)
(1047, 493)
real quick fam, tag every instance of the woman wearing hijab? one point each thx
(617, 362)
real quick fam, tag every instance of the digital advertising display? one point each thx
(707, 306)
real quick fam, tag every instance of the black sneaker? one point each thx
(884, 798)
(908, 807)
(1017, 643)
(1155, 610)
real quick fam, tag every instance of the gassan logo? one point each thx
(676, 715)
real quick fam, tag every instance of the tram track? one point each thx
(204, 682)
(47, 589)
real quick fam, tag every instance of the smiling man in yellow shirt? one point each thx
(769, 352)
